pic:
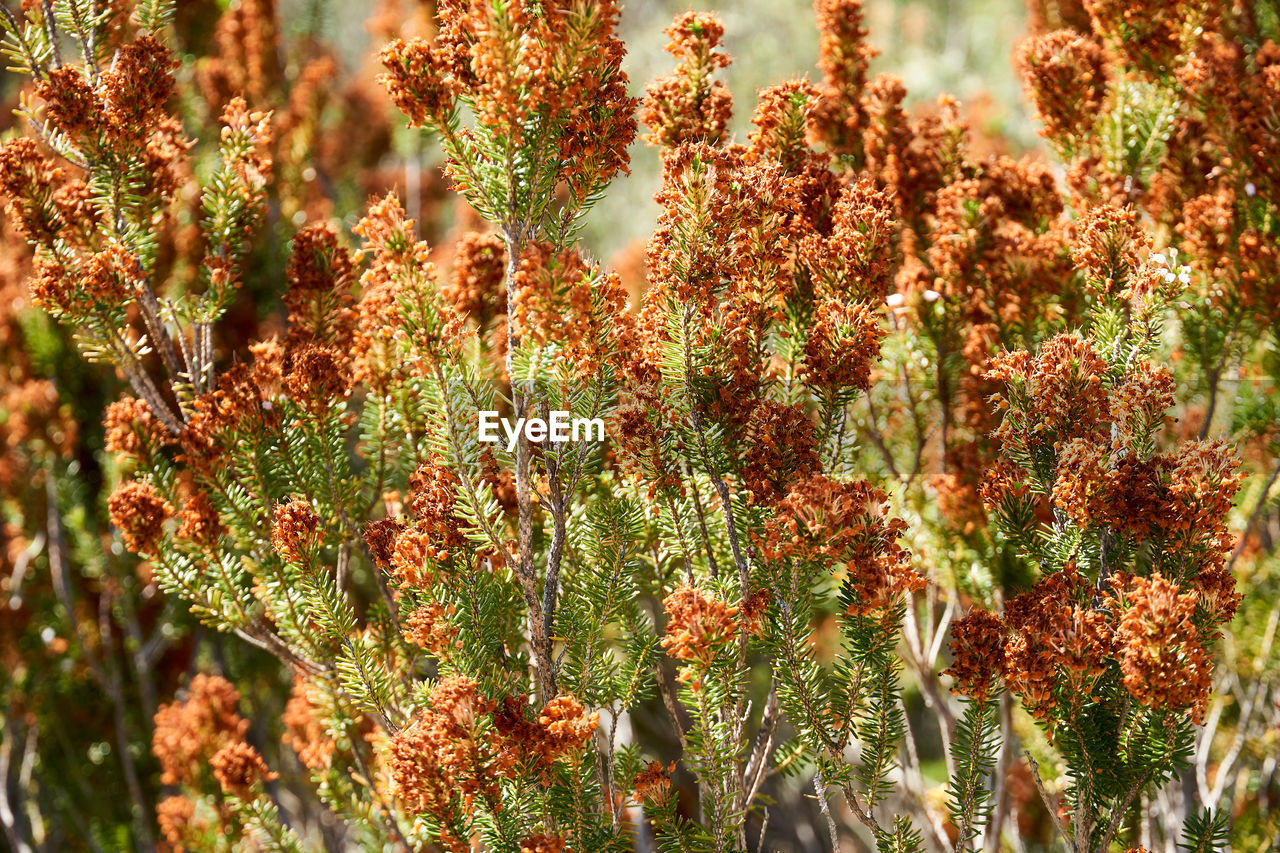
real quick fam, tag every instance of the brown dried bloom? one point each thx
(1108, 247)
(827, 522)
(1148, 35)
(977, 645)
(1058, 646)
(239, 768)
(561, 300)
(431, 502)
(1066, 73)
(188, 733)
(1053, 396)
(138, 510)
(304, 728)
(315, 377)
(855, 261)
(689, 105)
(439, 763)
(199, 522)
(428, 626)
(843, 344)
(131, 429)
(476, 287)
(295, 530)
(175, 816)
(542, 844)
(418, 81)
(27, 178)
(653, 782)
(782, 122)
(106, 280)
(698, 625)
(843, 57)
(1162, 656)
(781, 445)
(71, 104)
(136, 87)
(380, 536)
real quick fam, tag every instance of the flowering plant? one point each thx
(878, 401)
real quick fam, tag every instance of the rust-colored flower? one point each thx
(843, 344)
(977, 646)
(1164, 661)
(239, 768)
(698, 625)
(295, 530)
(189, 732)
(139, 511)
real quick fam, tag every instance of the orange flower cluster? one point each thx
(830, 523)
(842, 345)
(442, 760)
(839, 116)
(320, 274)
(1163, 657)
(295, 531)
(1056, 645)
(561, 300)
(176, 818)
(856, 259)
(28, 180)
(476, 288)
(131, 429)
(1052, 397)
(698, 626)
(781, 446)
(1108, 247)
(189, 733)
(239, 768)
(526, 71)
(139, 512)
(562, 729)
(240, 402)
(1066, 74)
(105, 281)
(399, 273)
(653, 782)
(305, 730)
(977, 649)
(199, 522)
(689, 105)
(542, 844)
(428, 627)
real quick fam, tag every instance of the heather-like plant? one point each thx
(873, 381)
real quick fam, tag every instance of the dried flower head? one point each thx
(188, 733)
(1162, 656)
(698, 625)
(845, 524)
(843, 57)
(842, 346)
(239, 768)
(977, 645)
(136, 87)
(139, 511)
(689, 105)
(1065, 72)
(131, 429)
(305, 729)
(199, 522)
(295, 530)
